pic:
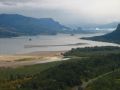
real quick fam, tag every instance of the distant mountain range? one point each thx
(15, 25)
(91, 30)
(102, 26)
(110, 37)
(12, 25)
(109, 25)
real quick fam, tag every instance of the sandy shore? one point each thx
(45, 53)
(76, 44)
(30, 58)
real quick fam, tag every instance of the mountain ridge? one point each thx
(29, 25)
(114, 36)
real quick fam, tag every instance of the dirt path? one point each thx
(85, 84)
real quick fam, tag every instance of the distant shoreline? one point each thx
(31, 46)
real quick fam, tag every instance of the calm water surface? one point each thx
(17, 45)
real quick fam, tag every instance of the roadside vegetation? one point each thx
(109, 82)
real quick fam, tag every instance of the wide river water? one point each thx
(60, 42)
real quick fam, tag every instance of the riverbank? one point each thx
(17, 60)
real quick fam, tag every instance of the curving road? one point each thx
(85, 84)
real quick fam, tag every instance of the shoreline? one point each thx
(44, 53)
(32, 58)
(76, 44)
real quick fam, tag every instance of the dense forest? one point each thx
(92, 51)
(66, 75)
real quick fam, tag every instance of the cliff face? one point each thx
(115, 35)
(111, 37)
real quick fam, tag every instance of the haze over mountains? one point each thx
(109, 25)
(110, 37)
(14, 25)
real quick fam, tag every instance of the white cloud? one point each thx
(67, 11)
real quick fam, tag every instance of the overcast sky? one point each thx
(76, 12)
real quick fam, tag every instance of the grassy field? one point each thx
(6, 73)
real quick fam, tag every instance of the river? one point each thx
(60, 42)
